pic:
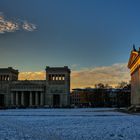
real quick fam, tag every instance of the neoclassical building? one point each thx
(52, 92)
(134, 66)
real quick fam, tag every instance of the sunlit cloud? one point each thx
(8, 25)
(32, 75)
(112, 75)
(88, 77)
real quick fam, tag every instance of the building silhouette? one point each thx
(52, 92)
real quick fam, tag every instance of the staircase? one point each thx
(134, 108)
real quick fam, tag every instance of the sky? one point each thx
(94, 38)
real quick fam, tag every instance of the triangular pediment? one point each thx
(133, 56)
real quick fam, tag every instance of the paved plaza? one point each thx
(68, 124)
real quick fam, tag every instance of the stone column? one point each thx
(41, 99)
(12, 99)
(22, 98)
(61, 77)
(36, 98)
(31, 98)
(16, 98)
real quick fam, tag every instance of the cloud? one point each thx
(7, 25)
(32, 75)
(88, 77)
(112, 75)
(28, 26)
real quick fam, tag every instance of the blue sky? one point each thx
(77, 33)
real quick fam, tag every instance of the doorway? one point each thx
(1, 100)
(56, 100)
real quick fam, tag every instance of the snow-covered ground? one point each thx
(68, 124)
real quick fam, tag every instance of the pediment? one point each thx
(132, 58)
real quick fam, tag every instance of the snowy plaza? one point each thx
(68, 124)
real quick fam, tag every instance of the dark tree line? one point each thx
(106, 96)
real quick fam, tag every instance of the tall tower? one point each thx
(7, 75)
(57, 86)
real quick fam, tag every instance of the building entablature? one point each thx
(29, 82)
(27, 85)
(27, 89)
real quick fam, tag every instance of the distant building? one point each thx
(80, 97)
(52, 92)
(100, 97)
(134, 66)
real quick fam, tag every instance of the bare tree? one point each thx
(122, 85)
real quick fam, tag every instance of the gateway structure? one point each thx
(52, 92)
(134, 66)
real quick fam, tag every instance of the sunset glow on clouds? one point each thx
(111, 75)
(32, 75)
(7, 25)
(88, 77)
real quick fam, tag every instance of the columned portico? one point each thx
(22, 97)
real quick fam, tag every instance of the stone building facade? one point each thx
(52, 92)
(134, 66)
